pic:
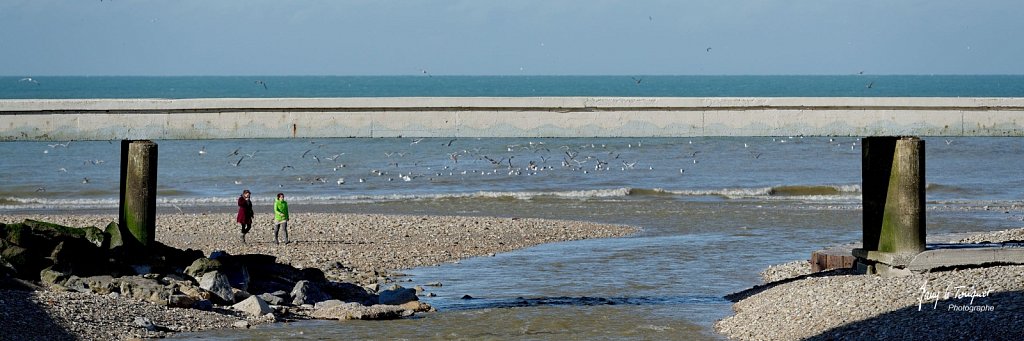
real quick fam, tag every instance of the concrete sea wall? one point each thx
(216, 118)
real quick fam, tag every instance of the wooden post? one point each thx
(137, 216)
(903, 223)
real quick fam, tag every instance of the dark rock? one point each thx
(467, 297)
(145, 289)
(349, 292)
(217, 254)
(79, 256)
(181, 301)
(53, 232)
(217, 284)
(273, 277)
(272, 299)
(52, 278)
(314, 275)
(201, 266)
(114, 232)
(306, 292)
(205, 305)
(397, 296)
(26, 262)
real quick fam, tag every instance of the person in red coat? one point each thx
(245, 212)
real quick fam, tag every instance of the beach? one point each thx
(973, 303)
(358, 248)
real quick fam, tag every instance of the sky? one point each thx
(510, 37)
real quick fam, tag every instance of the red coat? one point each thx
(245, 212)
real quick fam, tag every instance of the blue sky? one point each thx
(526, 37)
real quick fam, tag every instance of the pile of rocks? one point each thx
(254, 286)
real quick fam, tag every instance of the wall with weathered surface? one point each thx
(108, 119)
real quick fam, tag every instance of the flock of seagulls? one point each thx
(448, 162)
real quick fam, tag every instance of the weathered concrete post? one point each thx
(893, 172)
(894, 200)
(903, 223)
(137, 214)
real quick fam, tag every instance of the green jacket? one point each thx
(280, 210)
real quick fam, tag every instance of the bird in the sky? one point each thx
(29, 80)
(264, 84)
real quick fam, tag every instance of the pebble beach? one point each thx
(984, 303)
(355, 248)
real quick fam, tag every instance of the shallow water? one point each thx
(739, 205)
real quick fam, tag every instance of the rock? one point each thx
(205, 305)
(349, 292)
(272, 299)
(305, 292)
(217, 284)
(201, 266)
(374, 287)
(52, 278)
(195, 292)
(416, 306)
(145, 289)
(218, 254)
(356, 311)
(142, 269)
(55, 233)
(26, 264)
(254, 306)
(101, 285)
(467, 297)
(114, 232)
(181, 301)
(397, 296)
(313, 275)
(327, 304)
(145, 323)
(243, 324)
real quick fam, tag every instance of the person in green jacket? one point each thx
(280, 217)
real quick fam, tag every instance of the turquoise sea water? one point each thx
(513, 86)
(713, 211)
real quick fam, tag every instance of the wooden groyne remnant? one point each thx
(219, 118)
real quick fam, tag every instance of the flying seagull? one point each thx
(29, 80)
(264, 84)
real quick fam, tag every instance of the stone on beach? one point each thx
(217, 284)
(254, 306)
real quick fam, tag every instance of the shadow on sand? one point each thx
(996, 317)
(21, 318)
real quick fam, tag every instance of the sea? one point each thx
(712, 211)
